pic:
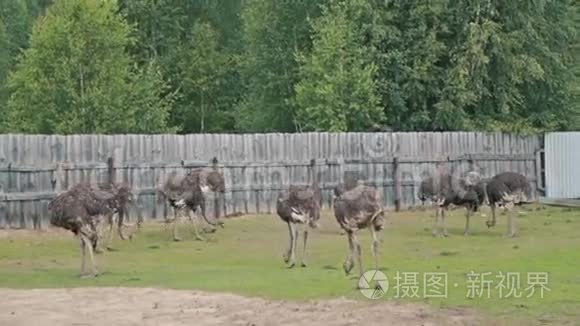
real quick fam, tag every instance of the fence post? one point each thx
(397, 183)
(111, 170)
(471, 163)
(58, 178)
(217, 195)
(3, 209)
(539, 171)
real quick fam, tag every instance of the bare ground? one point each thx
(148, 306)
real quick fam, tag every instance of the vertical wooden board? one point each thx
(210, 149)
(3, 213)
(15, 149)
(269, 147)
(324, 145)
(236, 154)
(188, 147)
(225, 150)
(21, 217)
(154, 147)
(336, 145)
(313, 146)
(144, 145)
(29, 209)
(297, 149)
(200, 149)
(246, 192)
(11, 214)
(21, 151)
(269, 193)
(27, 150)
(253, 179)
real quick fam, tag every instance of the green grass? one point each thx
(246, 258)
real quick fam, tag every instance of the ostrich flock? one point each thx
(85, 208)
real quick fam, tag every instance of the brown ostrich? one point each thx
(359, 208)
(80, 210)
(188, 193)
(121, 198)
(507, 189)
(299, 205)
(443, 191)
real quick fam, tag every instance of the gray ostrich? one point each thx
(188, 193)
(299, 205)
(79, 210)
(121, 198)
(444, 191)
(507, 189)
(359, 208)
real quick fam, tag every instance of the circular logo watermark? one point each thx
(373, 284)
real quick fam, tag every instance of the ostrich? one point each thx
(121, 198)
(435, 190)
(299, 205)
(468, 191)
(79, 210)
(507, 189)
(187, 193)
(356, 209)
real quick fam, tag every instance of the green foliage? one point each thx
(5, 59)
(337, 90)
(15, 24)
(75, 77)
(267, 65)
(576, 68)
(475, 65)
(165, 32)
(203, 68)
(274, 31)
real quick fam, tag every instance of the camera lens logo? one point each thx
(373, 284)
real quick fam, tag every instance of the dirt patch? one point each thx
(133, 306)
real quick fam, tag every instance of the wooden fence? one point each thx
(34, 168)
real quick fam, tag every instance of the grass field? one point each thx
(246, 258)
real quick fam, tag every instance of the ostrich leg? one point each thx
(88, 247)
(493, 218)
(175, 231)
(443, 224)
(292, 249)
(375, 246)
(467, 219)
(303, 264)
(83, 258)
(357, 252)
(193, 219)
(349, 261)
(435, 230)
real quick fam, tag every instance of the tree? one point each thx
(576, 64)
(474, 65)
(15, 24)
(337, 90)
(409, 37)
(167, 32)
(274, 31)
(4, 67)
(76, 76)
(203, 67)
(513, 59)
